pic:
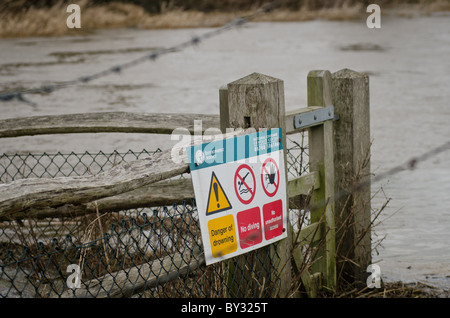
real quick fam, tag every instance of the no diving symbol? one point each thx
(244, 184)
(270, 177)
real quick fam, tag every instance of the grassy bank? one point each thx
(398, 290)
(19, 18)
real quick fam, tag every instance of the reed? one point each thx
(33, 20)
(51, 21)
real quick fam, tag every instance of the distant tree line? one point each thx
(156, 6)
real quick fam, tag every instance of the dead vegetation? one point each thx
(19, 20)
(398, 290)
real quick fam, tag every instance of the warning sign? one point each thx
(273, 219)
(244, 184)
(222, 236)
(270, 177)
(217, 199)
(240, 192)
(249, 227)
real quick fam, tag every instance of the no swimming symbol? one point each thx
(244, 184)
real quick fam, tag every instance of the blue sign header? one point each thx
(233, 149)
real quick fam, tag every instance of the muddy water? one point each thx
(408, 61)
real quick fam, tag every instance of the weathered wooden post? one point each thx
(321, 151)
(352, 165)
(257, 101)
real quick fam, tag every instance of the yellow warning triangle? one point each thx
(217, 199)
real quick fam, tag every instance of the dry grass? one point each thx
(398, 290)
(339, 13)
(52, 21)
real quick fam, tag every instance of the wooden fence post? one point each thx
(321, 160)
(257, 101)
(350, 92)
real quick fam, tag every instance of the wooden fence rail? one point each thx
(255, 101)
(119, 122)
(24, 194)
(104, 122)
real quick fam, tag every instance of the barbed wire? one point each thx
(367, 181)
(152, 56)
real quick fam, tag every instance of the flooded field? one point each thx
(409, 67)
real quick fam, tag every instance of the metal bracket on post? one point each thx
(314, 117)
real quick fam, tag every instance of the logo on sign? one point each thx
(199, 157)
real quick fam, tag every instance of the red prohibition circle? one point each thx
(271, 179)
(243, 183)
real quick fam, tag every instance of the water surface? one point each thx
(409, 67)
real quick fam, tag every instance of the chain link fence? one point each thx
(147, 252)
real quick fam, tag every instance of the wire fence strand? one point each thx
(19, 95)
